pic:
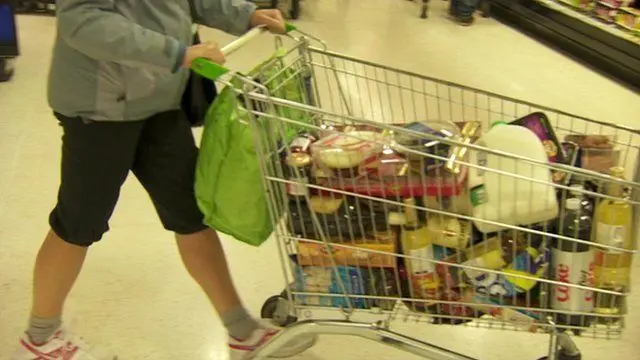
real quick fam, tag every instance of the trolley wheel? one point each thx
(563, 356)
(273, 309)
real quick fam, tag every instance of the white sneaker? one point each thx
(61, 346)
(241, 350)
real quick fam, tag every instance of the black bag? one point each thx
(198, 95)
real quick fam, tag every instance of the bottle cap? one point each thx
(299, 159)
(499, 123)
(577, 189)
(617, 171)
(396, 218)
(573, 204)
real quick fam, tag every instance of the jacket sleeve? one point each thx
(95, 29)
(231, 16)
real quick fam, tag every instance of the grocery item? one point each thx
(572, 158)
(344, 152)
(384, 282)
(449, 231)
(493, 284)
(580, 4)
(436, 182)
(613, 227)
(541, 126)
(587, 203)
(298, 171)
(522, 319)
(338, 216)
(420, 150)
(312, 279)
(355, 281)
(416, 242)
(608, 304)
(457, 204)
(629, 18)
(504, 198)
(378, 253)
(494, 254)
(316, 280)
(302, 143)
(573, 263)
(451, 276)
(533, 262)
(606, 12)
(614, 4)
(453, 308)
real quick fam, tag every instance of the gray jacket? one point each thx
(119, 60)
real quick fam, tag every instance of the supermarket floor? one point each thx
(134, 295)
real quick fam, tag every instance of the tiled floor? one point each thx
(134, 295)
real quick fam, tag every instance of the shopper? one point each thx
(115, 84)
(462, 11)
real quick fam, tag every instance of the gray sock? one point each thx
(239, 323)
(41, 329)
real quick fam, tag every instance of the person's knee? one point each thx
(80, 234)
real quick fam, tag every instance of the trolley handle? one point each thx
(213, 71)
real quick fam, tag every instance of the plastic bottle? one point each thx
(573, 263)
(503, 198)
(613, 220)
(586, 203)
(417, 244)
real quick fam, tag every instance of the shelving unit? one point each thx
(8, 39)
(38, 7)
(607, 47)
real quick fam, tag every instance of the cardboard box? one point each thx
(359, 254)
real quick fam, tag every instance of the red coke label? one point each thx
(572, 268)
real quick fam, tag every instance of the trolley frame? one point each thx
(257, 97)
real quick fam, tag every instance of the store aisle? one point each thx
(135, 297)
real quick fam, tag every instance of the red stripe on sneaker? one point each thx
(265, 338)
(62, 353)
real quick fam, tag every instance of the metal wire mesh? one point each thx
(342, 230)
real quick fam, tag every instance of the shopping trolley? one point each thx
(372, 212)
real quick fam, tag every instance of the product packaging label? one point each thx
(301, 142)
(423, 266)
(299, 187)
(493, 284)
(478, 195)
(611, 235)
(572, 268)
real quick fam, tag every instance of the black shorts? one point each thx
(96, 159)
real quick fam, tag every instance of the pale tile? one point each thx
(135, 297)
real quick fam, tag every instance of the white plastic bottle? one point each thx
(503, 198)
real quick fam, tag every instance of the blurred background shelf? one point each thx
(39, 7)
(606, 47)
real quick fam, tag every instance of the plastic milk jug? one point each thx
(501, 197)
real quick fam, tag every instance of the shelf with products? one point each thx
(38, 7)
(611, 16)
(8, 40)
(573, 27)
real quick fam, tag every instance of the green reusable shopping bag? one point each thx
(229, 185)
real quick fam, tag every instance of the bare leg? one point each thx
(57, 267)
(204, 258)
